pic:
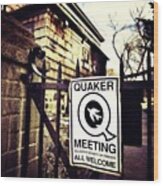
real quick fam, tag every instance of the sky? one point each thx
(99, 12)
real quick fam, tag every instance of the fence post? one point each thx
(58, 112)
(150, 163)
(77, 69)
(121, 92)
(26, 135)
(24, 158)
(41, 127)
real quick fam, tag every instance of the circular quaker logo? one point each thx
(94, 115)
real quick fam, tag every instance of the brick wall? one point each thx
(62, 45)
(16, 42)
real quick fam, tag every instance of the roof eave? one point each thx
(86, 20)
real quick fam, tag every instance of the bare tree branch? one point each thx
(135, 47)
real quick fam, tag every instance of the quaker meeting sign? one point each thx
(95, 128)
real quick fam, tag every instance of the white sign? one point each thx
(95, 124)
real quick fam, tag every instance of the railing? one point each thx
(36, 91)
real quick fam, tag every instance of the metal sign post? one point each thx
(95, 125)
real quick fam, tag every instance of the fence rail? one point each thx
(36, 92)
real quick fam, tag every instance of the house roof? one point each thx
(86, 20)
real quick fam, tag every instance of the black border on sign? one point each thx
(119, 142)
